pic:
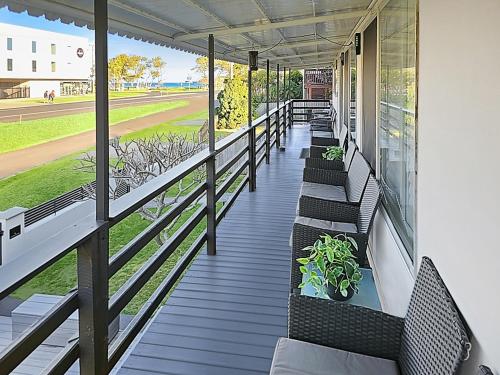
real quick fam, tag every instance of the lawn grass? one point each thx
(40, 184)
(43, 183)
(170, 126)
(16, 103)
(16, 136)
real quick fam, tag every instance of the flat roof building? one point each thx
(33, 61)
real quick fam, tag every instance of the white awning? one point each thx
(294, 33)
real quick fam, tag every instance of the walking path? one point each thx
(21, 160)
(38, 111)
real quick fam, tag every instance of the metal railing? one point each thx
(301, 110)
(52, 207)
(86, 235)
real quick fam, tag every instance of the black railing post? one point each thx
(277, 127)
(284, 102)
(268, 119)
(252, 157)
(93, 254)
(210, 165)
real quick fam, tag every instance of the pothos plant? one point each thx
(333, 153)
(331, 263)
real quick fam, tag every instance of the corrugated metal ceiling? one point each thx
(297, 28)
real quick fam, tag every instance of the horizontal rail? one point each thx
(30, 339)
(224, 168)
(261, 159)
(137, 281)
(121, 344)
(260, 148)
(137, 198)
(148, 234)
(46, 253)
(63, 361)
(230, 201)
(227, 184)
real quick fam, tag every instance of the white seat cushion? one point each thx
(327, 225)
(292, 357)
(323, 191)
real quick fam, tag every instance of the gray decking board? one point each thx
(225, 316)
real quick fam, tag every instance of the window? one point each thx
(352, 91)
(397, 115)
(9, 44)
(33, 66)
(53, 49)
(53, 66)
(9, 65)
(345, 89)
(33, 46)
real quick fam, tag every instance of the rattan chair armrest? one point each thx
(320, 163)
(344, 326)
(317, 151)
(324, 176)
(321, 141)
(324, 209)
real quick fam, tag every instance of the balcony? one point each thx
(227, 301)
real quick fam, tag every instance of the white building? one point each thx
(33, 61)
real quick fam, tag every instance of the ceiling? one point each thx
(293, 33)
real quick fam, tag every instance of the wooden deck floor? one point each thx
(226, 314)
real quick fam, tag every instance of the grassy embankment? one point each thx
(43, 183)
(17, 135)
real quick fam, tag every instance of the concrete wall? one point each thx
(69, 66)
(458, 216)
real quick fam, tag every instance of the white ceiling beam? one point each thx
(312, 65)
(301, 55)
(304, 43)
(264, 14)
(209, 13)
(272, 26)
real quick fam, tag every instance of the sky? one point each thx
(179, 63)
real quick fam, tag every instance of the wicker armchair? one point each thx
(325, 138)
(315, 159)
(323, 188)
(324, 122)
(337, 218)
(430, 339)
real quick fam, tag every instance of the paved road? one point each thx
(25, 159)
(34, 112)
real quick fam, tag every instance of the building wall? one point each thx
(69, 66)
(459, 161)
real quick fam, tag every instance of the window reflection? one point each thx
(397, 114)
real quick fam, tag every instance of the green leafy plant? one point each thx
(333, 153)
(331, 262)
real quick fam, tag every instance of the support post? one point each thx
(93, 254)
(284, 101)
(268, 119)
(277, 127)
(210, 165)
(290, 105)
(252, 158)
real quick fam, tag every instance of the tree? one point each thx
(295, 91)
(222, 70)
(157, 64)
(233, 106)
(139, 161)
(126, 68)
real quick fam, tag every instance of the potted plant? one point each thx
(333, 153)
(331, 267)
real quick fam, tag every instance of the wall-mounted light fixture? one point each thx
(253, 60)
(342, 57)
(357, 43)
